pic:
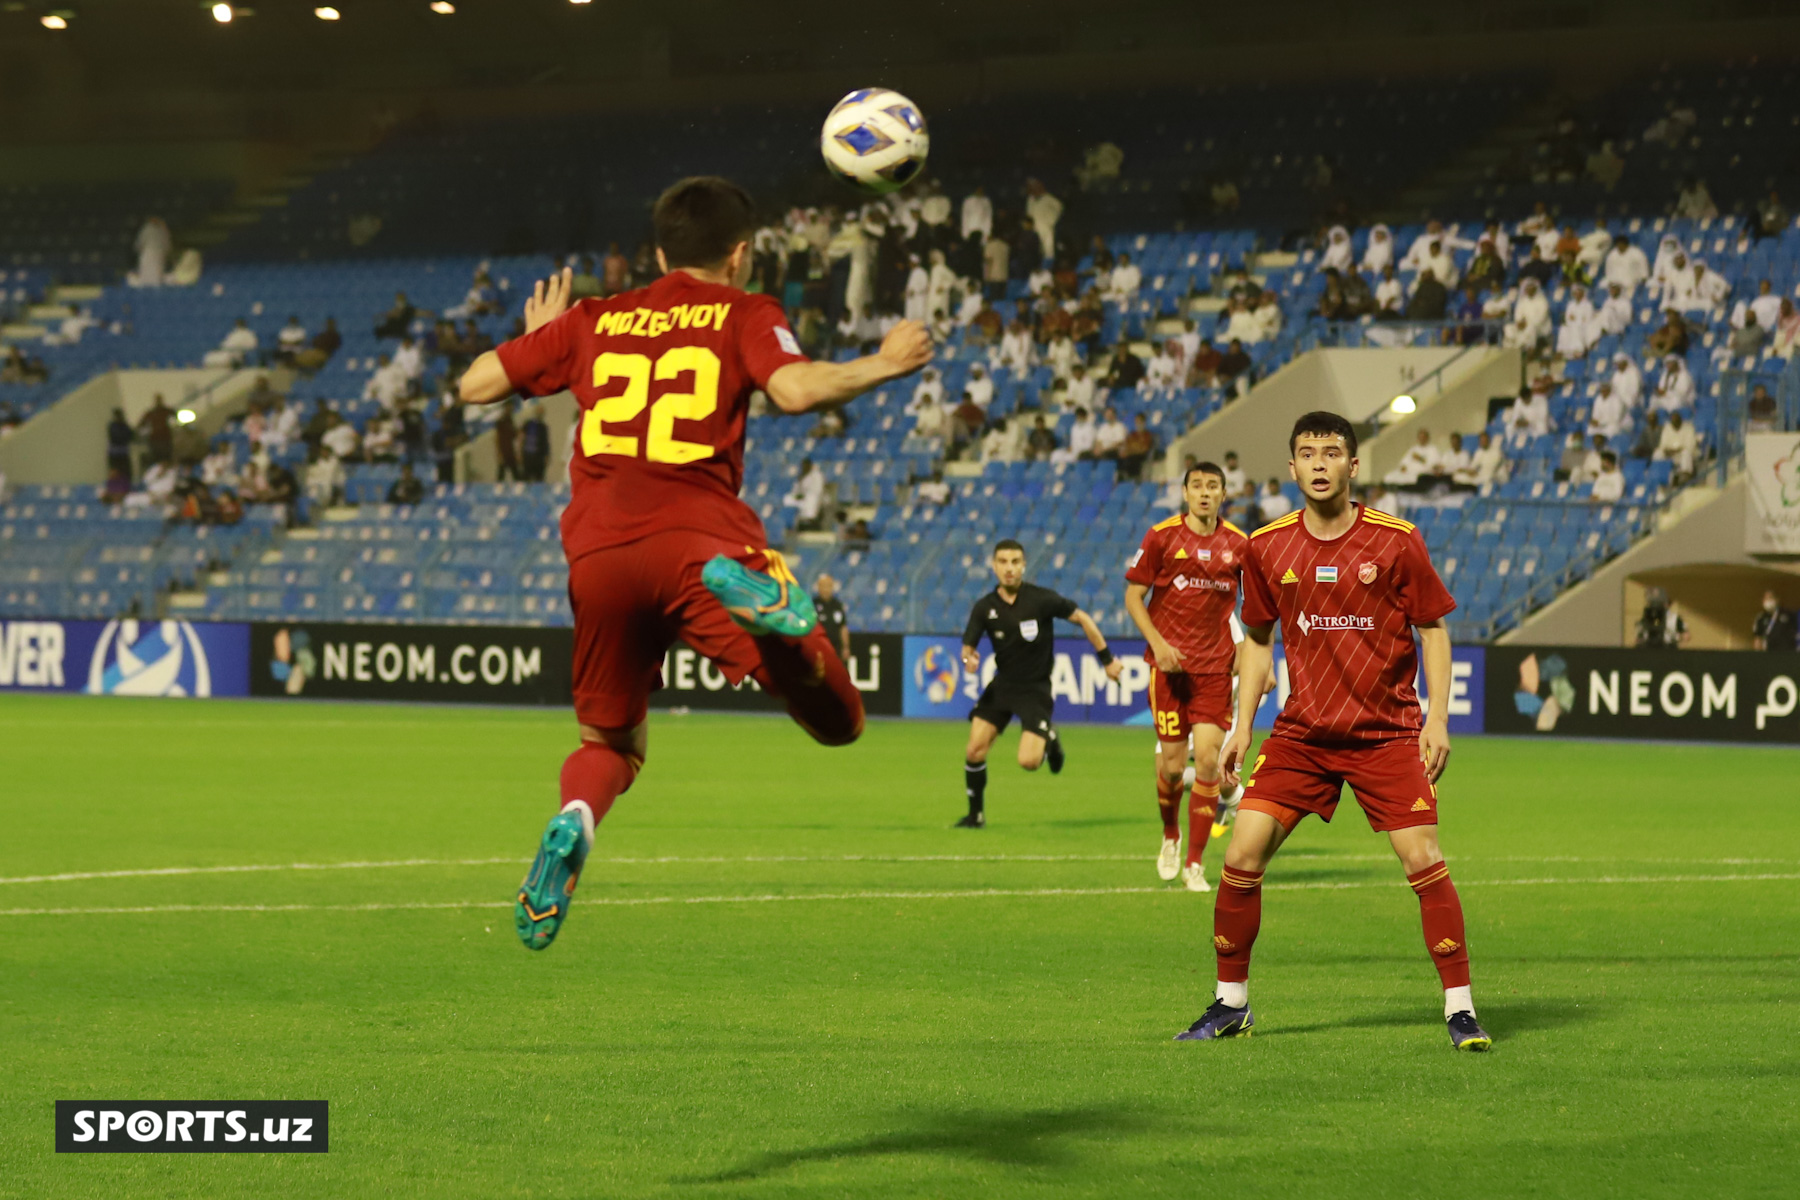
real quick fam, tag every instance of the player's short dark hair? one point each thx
(1008, 544)
(1205, 468)
(1323, 424)
(699, 219)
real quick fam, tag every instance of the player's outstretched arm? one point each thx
(1168, 658)
(1256, 667)
(1097, 640)
(801, 387)
(485, 381)
(1434, 740)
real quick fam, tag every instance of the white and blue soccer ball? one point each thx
(875, 139)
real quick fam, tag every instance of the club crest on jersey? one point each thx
(1324, 574)
(1028, 630)
(1227, 557)
(1367, 572)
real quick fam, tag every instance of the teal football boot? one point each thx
(549, 886)
(761, 604)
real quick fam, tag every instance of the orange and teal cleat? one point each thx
(543, 903)
(762, 603)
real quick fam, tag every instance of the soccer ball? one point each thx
(875, 140)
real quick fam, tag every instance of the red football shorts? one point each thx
(632, 602)
(1290, 779)
(1180, 702)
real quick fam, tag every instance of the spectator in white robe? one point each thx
(1045, 211)
(1390, 296)
(931, 420)
(1189, 340)
(1166, 371)
(1674, 387)
(1706, 290)
(929, 390)
(1667, 252)
(1695, 202)
(1614, 316)
(409, 359)
(1609, 416)
(1765, 304)
(1609, 485)
(1016, 352)
(1059, 355)
(1421, 458)
(236, 346)
(1579, 329)
(1418, 254)
(979, 387)
(1539, 220)
(282, 427)
(1110, 435)
(1787, 330)
(1545, 242)
(1627, 381)
(1680, 444)
(1625, 265)
(1496, 233)
(1486, 464)
(1038, 280)
(942, 283)
(153, 246)
(1441, 263)
(1337, 249)
(977, 214)
(1596, 243)
(1533, 308)
(1380, 251)
(1268, 316)
(807, 497)
(1591, 462)
(1242, 324)
(1453, 460)
(1529, 416)
(386, 384)
(1081, 389)
(1126, 278)
(918, 292)
(1082, 432)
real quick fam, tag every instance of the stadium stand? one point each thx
(488, 552)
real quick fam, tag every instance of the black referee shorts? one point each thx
(1033, 706)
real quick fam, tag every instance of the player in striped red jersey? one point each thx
(1189, 566)
(1349, 585)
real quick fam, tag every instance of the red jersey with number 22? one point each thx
(1193, 581)
(664, 376)
(1347, 608)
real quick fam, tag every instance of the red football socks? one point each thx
(814, 684)
(1168, 799)
(1236, 917)
(1203, 806)
(597, 775)
(1440, 911)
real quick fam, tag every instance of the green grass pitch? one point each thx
(786, 976)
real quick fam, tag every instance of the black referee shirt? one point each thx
(834, 618)
(1022, 634)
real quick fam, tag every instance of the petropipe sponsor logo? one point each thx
(691, 680)
(1680, 695)
(193, 1126)
(125, 658)
(483, 664)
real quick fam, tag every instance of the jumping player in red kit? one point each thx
(659, 545)
(1349, 584)
(1189, 566)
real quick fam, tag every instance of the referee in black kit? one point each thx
(1019, 620)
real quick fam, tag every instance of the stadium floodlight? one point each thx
(56, 20)
(442, 8)
(1403, 404)
(187, 416)
(326, 13)
(222, 13)
(581, 1)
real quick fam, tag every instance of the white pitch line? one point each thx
(716, 860)
(972, 894)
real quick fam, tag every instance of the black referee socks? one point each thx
(975, 783)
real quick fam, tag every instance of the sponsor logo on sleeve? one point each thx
(784, 337)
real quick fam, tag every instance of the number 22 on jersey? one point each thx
(660, 443)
